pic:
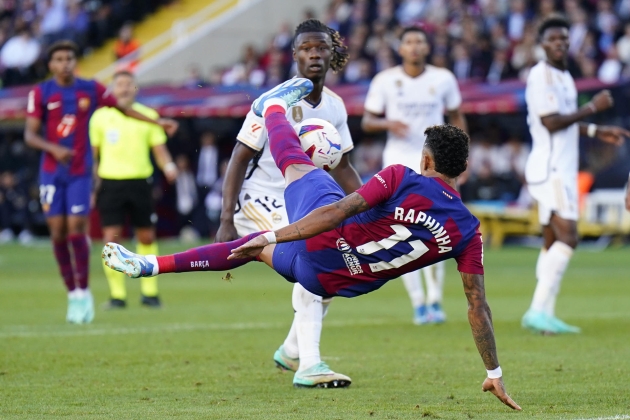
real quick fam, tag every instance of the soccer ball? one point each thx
(321, 141)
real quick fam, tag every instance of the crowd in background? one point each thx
(28, 27)
(479, 40)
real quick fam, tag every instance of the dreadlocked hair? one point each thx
(339, 56)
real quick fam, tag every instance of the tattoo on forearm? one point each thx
(480, 319)
(353, 204)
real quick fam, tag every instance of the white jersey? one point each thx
(262, 173)
(419, 102)
(551, 91)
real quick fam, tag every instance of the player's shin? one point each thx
(81, 251)
(213, 257)
(308, 323)
(283, 141)
(116, 281)
(62, 255)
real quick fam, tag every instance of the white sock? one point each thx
(556, 262)
(308, 325)
(550, 268)
(434, 280)
(290, 344)
(273, 102)
(152, 259)
(414, 288)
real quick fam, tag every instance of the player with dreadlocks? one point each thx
(253, 192)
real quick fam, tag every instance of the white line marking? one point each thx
(618, 417)
(25, 331)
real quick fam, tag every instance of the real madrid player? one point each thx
(552, 167)
(121, 147)
(404, 101)
(253, 192)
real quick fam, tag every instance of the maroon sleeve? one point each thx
(382, 185)
(471, 260)
(34, 106)
(104, 97)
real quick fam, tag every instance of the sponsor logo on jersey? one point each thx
(297, 114)
(351, 260)
(200, 264)
(67, 125)
(84, 104)
(381, 180)
(276, 218)
(343, 246)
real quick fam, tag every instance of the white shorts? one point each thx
(258, 212)
(556, 195)
(407, 156)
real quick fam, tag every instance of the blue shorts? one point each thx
(290, 259)
(62, 194)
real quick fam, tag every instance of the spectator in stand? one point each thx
(187, 198)
(610, 70)
(623, 45)
(77, 24)
(127, 48)
(207, 166)
(500, 68)
(367, 158)
(53, 20)
(195, 79)
(517, 20)
(462, 64)
(18, 56)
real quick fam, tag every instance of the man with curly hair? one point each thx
(338, 245)
(404, 101)
(253, 192)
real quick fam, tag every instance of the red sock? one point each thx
(211, 257)
(283, 142)
(81, 251)
(62, 254)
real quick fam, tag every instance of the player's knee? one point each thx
(58, 235)
(568, 237)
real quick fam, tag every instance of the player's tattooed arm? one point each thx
(323, 219)
(480, 319)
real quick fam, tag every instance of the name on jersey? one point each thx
(416, 109)
(200, 264)
(421, 218)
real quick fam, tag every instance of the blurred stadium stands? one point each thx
(212, 64)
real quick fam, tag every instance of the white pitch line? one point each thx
(84, 330)
(618, 417)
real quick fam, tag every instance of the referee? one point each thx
(121, 147)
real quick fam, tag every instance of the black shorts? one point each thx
(118, 198)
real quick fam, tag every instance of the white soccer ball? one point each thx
(321, 141)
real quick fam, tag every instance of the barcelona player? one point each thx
(61, 109)
(399, 221)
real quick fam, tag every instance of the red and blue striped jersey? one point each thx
(413, 222)
(65, 112)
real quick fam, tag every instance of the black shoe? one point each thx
(151, 301)
(115, 304)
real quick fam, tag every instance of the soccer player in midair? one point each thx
(404, 101)
(552, 167)
(253, 191)
(338, 245)
(58, 114)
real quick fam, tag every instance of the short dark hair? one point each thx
(123, 73)
(410, 29)
(449, 146)
(63, 45)
(339, 52)
(552, 21)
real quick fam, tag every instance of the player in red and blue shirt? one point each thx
(397, 222)
(60, 109)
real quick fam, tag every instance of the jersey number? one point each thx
(401, 235)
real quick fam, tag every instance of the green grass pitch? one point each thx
(208, 352)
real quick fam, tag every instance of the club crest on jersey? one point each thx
(276, 218)
(84, 104)
(297, 114)
(67, 125)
